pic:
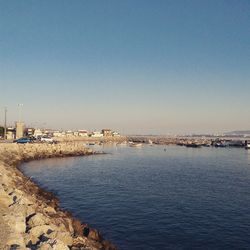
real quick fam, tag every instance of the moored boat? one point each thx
(124, 143)
(150, 142)
(135, 145)
(193, 145)
(220, 145)
(247, 145)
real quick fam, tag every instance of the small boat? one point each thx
(220, 145)
(247, 145)
(150, 143)
(124, 143)
(136, 145)
(193, 145)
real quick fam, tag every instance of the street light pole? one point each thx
(5, 122)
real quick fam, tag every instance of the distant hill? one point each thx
(238, 132)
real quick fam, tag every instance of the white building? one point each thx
(115, 134)
(10, 135)
(97, 134)
(76, 133)
(38, 132)
(83, 133)
(57, 134)
(69, 133)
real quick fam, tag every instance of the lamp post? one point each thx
(5, 122)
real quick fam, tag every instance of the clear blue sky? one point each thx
(136, 66)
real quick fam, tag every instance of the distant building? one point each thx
(83, 133)
(69, 133)
(97, 134)
(115, 134)
(30, 131)
(57, 134)
(10, 133)
(48, 132)
(38, 132)
(76, 133)
(106, 132)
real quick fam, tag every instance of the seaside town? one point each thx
(20, 131)
(22, 134)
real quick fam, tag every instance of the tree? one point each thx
(1, 131)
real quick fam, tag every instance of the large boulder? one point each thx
(46, 246)
(38, 219)
(36, 232)
(53, 245)
(63, 236)
(49, 210)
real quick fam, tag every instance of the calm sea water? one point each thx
(151, 198)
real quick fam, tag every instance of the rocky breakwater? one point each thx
(30, 217)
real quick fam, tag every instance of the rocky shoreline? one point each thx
(30, 217)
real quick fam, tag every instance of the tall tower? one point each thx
(19, 129)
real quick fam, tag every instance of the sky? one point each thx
(135, 66)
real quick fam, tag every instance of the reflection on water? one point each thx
(151, 198)
(248, 155)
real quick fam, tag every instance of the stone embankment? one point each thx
(30, 217)
(104, 139)
(193, 141)
(165, 140)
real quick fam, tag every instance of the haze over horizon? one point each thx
(138, 67)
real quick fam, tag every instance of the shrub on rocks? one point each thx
(95, 235)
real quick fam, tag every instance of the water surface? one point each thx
(151, 198)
